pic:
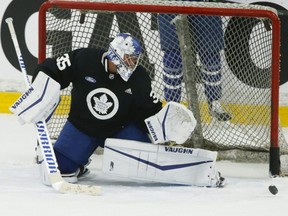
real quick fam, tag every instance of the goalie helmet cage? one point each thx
(249, 62)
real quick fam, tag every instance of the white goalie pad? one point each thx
(158, 163)
(174, 122)
(39, 101)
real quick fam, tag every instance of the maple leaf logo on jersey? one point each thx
(101, 104)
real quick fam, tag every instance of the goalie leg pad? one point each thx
(157, 163)
(42, 167)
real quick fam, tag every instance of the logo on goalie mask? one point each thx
(125, 51)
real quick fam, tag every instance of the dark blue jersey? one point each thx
(102, 103)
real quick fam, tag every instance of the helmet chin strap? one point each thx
(124, 72)
(107, 64)
(104, 61)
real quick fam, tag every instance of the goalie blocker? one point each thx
(158, 163)
(39, 101)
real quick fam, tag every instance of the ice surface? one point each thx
(21, 192)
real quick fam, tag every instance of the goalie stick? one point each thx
(58, 183)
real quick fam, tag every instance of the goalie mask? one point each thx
(125, 51)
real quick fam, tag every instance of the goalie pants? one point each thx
(208, 34)
(73, 148)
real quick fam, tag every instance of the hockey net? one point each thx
(249, 60)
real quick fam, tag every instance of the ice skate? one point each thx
(81, 172)
(216, 111)
(218, 180)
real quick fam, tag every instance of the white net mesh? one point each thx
(228, 61)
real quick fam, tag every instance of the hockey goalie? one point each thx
(113, 106)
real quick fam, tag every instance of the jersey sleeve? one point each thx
(147, 103)
(61, 69)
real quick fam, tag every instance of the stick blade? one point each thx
(60, 185)
(65, 187)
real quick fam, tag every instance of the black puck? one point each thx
(273, 189)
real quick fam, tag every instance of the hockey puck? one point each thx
(273, 189)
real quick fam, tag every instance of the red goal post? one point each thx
(250, 83)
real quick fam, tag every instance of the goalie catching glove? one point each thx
(39, 101)
(174, 122)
